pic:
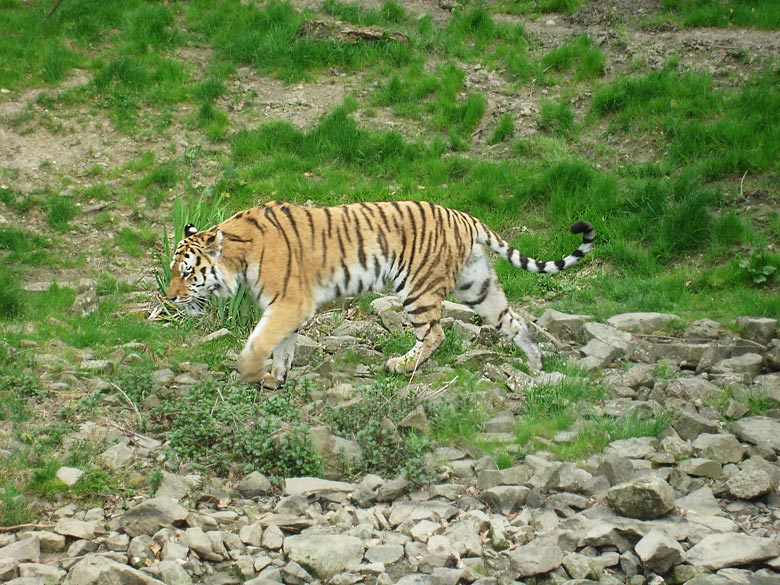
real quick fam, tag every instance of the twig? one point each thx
(741, 183)
(53, 9)
(130, 402)
(25, 527)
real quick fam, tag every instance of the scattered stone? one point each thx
(731, 550)
(69, 475)
(325, 555)
(254, 485)
(539, 556)
(642, 322)
(95, 569)
(644, 498)
(659, 551)
(749, 484)
(151, 515)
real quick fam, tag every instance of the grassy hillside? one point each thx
(120, 122)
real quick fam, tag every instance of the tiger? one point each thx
(294, 258)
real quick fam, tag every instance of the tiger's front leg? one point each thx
(275, 332)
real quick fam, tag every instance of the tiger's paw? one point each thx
(251, 371)
(269, 382)
(399, 365)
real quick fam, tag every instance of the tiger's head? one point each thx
(196, 271)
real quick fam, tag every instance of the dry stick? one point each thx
(25, 527)
(53, 9)
(130, 402)
(741, 183)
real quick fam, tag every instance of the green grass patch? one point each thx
(580, 55)
(761, 14)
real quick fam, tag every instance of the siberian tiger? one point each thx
(293, 259)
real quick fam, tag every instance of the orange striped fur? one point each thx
(293, 259)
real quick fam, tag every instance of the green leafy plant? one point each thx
(759, 266)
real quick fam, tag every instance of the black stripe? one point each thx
(483, 293)
(422, 309)
(560, 264)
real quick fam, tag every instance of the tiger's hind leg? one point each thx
(425, 314)
(479, 288)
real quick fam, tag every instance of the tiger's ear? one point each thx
(190, 230)
(214, 245)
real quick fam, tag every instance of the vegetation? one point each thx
(675, 164)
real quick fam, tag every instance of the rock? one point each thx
(335, 451)
(580, 566)
(723, 448)
(69, 475)
(318, 488)
(759, 430)
(616, 468)
(254, 485)
(86, 301)
(538, 557)
(151, 515)
(40, 573)
(26, 550)
(758, 329)
(117, 456)
(458, 311)
(635, 448)
(416, 420)
(505, 499)
(387, 554)
(749, 484)
(562, 325)
(690, 425)
(76, 528)
(696, 390)
(641, 322)
(731, 550)
(659, 551)
(701, 501)
(644, 498)
(700, 467)
(95, 569)
(749, 364)
(325, 555)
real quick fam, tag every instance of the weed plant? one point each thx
(761, 14)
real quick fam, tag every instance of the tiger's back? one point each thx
(294, 258)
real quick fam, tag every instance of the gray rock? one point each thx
(562, 325)
(749, 484)
(690, 425)
(95, 569)
(177, 486)
(24, 550)
(316, 487)
(9, 569)
(458, 311)
(151, 515)
(45, 574)
(616, 468)
(760, 329)
(696, 390)
(701, 467)
(704, 329)
(336, 452)
(580, 566)
(634, 448)
(76, 528)
(412, 512)
(659, 551)
(254, 485)
(465, 538)
(701, 501)
(69, 475)
(731, 550)
(538, 557)
(749, 364)
(641, 322)
(676, 447)
(117, 456)
(759, 430)
(172, 573)
(416, 420)
(387, 554)
(325, 555)
(505, 499)
(644, 498)
(723, 448)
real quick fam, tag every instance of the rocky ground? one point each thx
(698, 504)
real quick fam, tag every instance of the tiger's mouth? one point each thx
(191, 305)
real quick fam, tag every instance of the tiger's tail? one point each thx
(502, 248)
